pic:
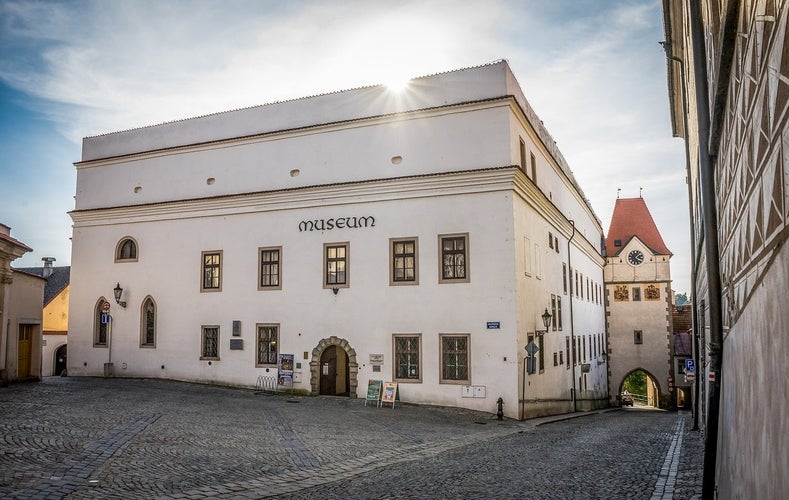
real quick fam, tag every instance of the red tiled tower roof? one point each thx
(632, 218)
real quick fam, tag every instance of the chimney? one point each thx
(48, 266)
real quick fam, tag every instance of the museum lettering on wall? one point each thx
(337, 223)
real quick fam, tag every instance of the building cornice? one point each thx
(533, 195)
(377, 190)
(301, 131)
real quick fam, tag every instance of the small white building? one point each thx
(414, 236)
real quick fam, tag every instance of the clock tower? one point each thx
(638, 301)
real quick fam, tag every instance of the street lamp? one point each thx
(118, 291)
(546, 320)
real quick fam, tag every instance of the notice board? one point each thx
(373, 392)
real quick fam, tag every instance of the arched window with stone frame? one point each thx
(148, 322)
(100, 324)
(126, 250)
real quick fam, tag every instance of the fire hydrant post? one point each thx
(500, 411)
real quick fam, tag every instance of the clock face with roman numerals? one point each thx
(635, 257)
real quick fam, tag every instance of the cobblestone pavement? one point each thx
(123, 438)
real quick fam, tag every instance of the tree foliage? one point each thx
(636, 383)
(681, 298)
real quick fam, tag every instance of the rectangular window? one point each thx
(541, 352)
(636, 293)
(567, 350)
(533, 167)
(638, 337)
(527, 256)
(559, 312)
(553, 312)
(212, 271)
(266, 344)
(555, 359)
(582, 286)
(335, 265)
(577, 351)
(453, 254)
(556, 243)
(209, 348)
(270, 265)
(523, 156)
(583, 342)
(403, 259)
(561, 357)
(588, 295)
(455, 359)
(564, 277)
(550, 240)
(576, 283)
(407, 358)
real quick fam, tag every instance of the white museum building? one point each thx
(416, 236)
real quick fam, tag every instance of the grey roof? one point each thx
(56, 282)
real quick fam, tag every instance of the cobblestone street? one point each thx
(121, 438)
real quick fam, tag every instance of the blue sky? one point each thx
(592, 70)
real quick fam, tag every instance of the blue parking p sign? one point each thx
(690, 365)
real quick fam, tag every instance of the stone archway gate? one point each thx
(353, 366)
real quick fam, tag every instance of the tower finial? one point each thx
(639, 192)
(617, 192)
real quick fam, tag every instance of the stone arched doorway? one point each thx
(642, 386)
(61, 360)
(346, 369)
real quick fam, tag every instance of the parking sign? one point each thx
(690, 366)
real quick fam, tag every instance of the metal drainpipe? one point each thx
(572, 325)
(707, 180)
(694, 315)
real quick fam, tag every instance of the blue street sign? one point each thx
(690, 365)
(493, 325)
(105, 318)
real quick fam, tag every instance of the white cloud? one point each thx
(592, 70)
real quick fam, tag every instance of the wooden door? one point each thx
(24, 350)
(329, 371)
